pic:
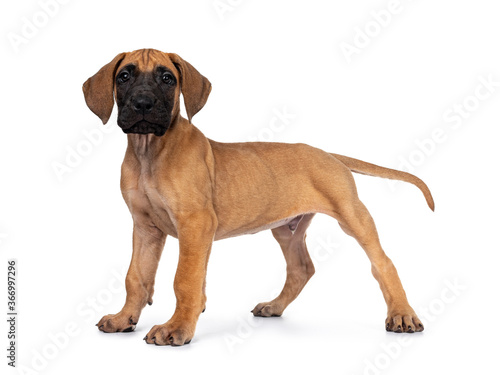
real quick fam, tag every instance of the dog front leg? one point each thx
(196, 233)
(148, 243)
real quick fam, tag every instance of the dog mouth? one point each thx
(146, 127)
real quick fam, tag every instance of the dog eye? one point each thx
(123, 77)
(167, 78)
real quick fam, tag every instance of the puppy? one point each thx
(176, 182)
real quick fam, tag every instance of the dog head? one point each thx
(146, 85)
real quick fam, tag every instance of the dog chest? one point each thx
(149, 207)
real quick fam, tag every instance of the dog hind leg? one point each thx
(299, 266)
(357, 222)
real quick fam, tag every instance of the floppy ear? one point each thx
(98, 89)
(194, 87)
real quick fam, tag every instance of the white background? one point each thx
(72, 235)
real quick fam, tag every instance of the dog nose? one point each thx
(143, 104)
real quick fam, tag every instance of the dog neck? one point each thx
(147, 147)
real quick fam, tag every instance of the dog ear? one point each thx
(98, 89)
(194, 87)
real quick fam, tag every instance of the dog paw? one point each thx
(267, 309)
(171, 333)
(120, 322)
(403, 322)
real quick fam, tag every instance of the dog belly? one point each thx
(292, 223)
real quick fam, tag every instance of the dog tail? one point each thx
(369, 169)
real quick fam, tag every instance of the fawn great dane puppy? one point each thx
(177, 182)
